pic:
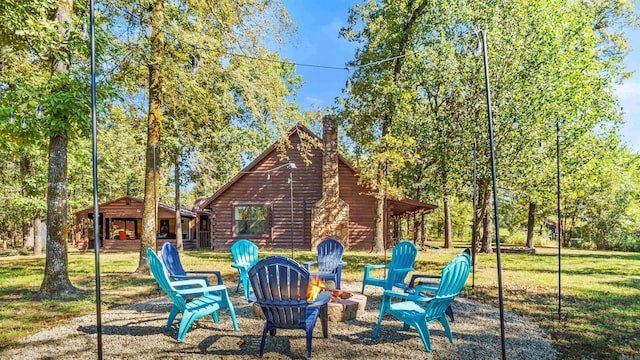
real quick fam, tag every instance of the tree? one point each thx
(189, 58)
(548, 60)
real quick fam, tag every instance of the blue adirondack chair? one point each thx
(402, 257)
(429, 286)
(329, 261)
(193, 303)
(245, 255)
(280, 287)
(171, 260)
(417, 311)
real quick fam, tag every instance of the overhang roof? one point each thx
(183, 211)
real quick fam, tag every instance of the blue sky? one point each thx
(317, 42)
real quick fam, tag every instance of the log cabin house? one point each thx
(282, 204)
(120, 222)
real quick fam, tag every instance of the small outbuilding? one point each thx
(120, 225)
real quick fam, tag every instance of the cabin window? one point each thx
(250, 220)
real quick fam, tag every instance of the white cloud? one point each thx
(314, 101)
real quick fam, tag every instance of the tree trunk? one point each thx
(154, 127)
(379, 235)
(56, 277)
(448, 242)
(531, 219)
(486, 227)
(37, 236)
(179, 243)
(482, 194)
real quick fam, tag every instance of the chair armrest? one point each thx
(322, 299)
(421, 276)
(375, 266)
(238, 266)
(428, 288)
(202, 290)
(201, 282)
(216, 273)
(368, 268)
(405, 296)
(307, 264)
(401, 270)
(343, 263)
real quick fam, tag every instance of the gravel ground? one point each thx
(137, 332)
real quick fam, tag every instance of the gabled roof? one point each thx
(183, 211)
(403, 206)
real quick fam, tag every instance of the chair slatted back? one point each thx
(159, 273)
(245, 253)
(171, 260)
(330, 253)
(454, 275)
(280, 287)
(403, 256)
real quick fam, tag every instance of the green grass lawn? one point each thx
(600, 291)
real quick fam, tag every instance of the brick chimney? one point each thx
(330, 215)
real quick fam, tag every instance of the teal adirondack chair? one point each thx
(245, 255)
(193, 303)
(417, 311)
(403, 256)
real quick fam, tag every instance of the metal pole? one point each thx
(495, 188)
(559, 228)
(155, 205)
(474, 243)
(291, 201)
(94, 155)
(155, 210)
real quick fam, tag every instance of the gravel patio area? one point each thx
(137, 332)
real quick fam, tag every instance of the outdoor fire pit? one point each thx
(344, 305)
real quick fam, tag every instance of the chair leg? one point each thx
(245, 284)
(264, 337)
(185, 324)
(447, 328)
(309, 340)
(423, 331)
(215, 316)
(324, 320)
(172, 316)
(377, 329)
(449, 313)
(232, 311)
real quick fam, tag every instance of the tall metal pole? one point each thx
(559, 228)
(474, 234)
(94, 156)
(155, 204)
(495, 188)
(155, 209)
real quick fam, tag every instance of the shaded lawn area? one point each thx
(600, 291)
